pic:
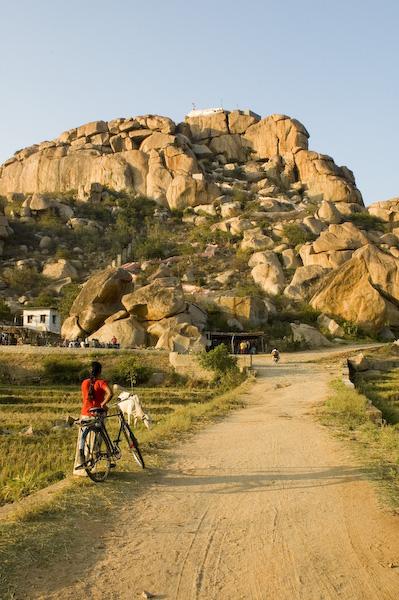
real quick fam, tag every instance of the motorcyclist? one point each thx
(275, 354)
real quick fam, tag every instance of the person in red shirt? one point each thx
(96, 392)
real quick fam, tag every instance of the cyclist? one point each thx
(275, 354)
(96, 393)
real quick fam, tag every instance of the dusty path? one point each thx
(263, 505)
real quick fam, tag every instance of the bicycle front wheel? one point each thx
(96, 458)
(133, 445)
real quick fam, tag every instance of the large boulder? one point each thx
(100, 297)
(327, 260)
(329, 213)
(240, 120)
(160, 299)
(269, 274)
(387, 210)
(340, 237)
(207, 124)
(177, 335)
(254, 239)
(305, 283)
(60, 269)
(324, 180)
(308, 335)
(186, 190)
(249, 310)
(333, 247)
(364, 290)
(231, 146)
(330, 325)
(129, 333)
(71, 330)
(275, 135)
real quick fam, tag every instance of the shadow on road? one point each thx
(261, 481)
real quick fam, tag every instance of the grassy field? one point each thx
(376, 446)
(383, 390)
(34, 461)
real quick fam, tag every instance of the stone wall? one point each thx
(187, 364)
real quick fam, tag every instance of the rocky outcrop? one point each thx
(248, 310)
(387, 210)
(364, 290)
(155, 314)
(60, 269)
(160, 299)
(152, 156)
(268, 273)
(99, 298)
(129, 333)
(334, 246)
(308, 335)
(306, 281)
(324, 180)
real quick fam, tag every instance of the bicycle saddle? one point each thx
(97, 411)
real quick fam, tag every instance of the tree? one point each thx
(5, 312)
(68, 294)
(218, 360)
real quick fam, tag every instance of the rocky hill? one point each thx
(231, 222)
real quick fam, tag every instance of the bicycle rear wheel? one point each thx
(95, 455)
(133, 445)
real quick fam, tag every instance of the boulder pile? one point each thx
(283, 226)
(153, 156)
(155, 314)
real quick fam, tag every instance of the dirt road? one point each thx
(265, 504)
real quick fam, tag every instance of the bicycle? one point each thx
(96, 447)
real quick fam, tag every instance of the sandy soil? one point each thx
(265, 504)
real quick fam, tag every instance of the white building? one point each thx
(42, 319)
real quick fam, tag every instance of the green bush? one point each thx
(366, 221)
(129, 372)
(296, 235)
(203, 235)
(346, 405)
(5, 312)
(44, 299)
(68, 294)
(303, 312)
(350, 329)
(24, 279)
(216, 320)
(63, 370)
(248, 288)
(218, 360)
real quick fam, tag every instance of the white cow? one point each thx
(131, 406)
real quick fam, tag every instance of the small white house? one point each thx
(42, 319)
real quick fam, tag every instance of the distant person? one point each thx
(275, 355)
(243, 346)
(252, 349)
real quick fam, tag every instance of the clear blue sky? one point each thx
(332, 65)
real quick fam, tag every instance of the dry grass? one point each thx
(376, 446)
